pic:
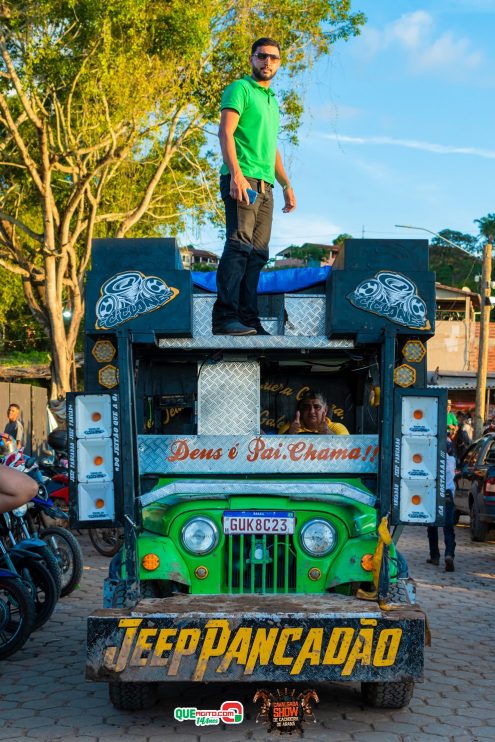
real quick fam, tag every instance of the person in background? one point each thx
(490, 426)
(311, 417)
(448, 528)
(16, 488)
(462, 438)
(14, 426)
(451, 418)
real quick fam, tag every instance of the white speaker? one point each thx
(418, 501)
(418, 457)
(95, 460)
(96, 501)
(419, 416)
(93, 416)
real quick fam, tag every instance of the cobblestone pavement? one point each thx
(43, 694)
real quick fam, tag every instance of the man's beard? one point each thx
(259, 76)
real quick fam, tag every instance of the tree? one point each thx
(104, 109)
(486, 226)
(466, 242)
(341, 238)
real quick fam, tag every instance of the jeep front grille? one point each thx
(260, 564)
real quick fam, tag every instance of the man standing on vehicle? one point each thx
(14, 426)
(249, 126)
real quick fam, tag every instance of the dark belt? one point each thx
(262, 185)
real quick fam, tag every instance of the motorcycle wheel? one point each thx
(51, 562)
(107, 541)
(39, 582)
(66, 548)
(16, 616)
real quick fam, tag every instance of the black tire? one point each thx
(107, 541)
(394, 695)
(479, 530)
(16, 616)
(150, 589)
(133, 696)
(38, 579)
(69, 555)
(51, 562)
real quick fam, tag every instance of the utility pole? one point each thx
(486, 277)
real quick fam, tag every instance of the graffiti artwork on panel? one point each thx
(127, 295)
(393, 296)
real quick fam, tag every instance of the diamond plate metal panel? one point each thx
(247, 454)
(299, 490)
(229, 398)
(230, 342)
(306, 314)
(202, 309)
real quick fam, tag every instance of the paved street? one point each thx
(43, 694)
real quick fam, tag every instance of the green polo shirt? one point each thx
(257, 131)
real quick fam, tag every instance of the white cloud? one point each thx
(426, 50)
(441, 149)
(448, 51)
(410, 29)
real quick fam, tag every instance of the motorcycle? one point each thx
(107, 541)
(40, 514)
(17, 613)
(16, 529)
(34, 574)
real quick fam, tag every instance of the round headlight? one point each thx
(22, 510)
(318, 537)
(200, 536)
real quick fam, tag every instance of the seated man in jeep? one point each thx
(311, 417)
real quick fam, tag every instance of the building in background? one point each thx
(453, 351)
(193, 259)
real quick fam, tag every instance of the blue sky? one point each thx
(398, 128)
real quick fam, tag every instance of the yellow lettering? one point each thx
(338, 646)
(142, 645)
(310, 650)
(131, 625)
(238, 649)
(162, 645)
(187, 641)
(387, 647)
(361, 650)
(261, 649)
(301, 392)
(209, 648)
(286, 634)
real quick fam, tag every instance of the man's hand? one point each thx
(295, 427)
(238, 187)
(323, 428)
(290, 200)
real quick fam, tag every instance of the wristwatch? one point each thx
(286, 187)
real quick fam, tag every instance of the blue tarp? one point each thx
(271, 282)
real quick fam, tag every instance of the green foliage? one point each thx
(486, 226)
(466, 242)
(454, 267)
(104, 107)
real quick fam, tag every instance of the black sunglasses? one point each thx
(262, 56)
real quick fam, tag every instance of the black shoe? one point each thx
(261, 331)
(449, 564)
(234, 328)
(433, 560)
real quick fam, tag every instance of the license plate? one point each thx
(246, 522)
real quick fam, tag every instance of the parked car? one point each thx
(475, 487)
